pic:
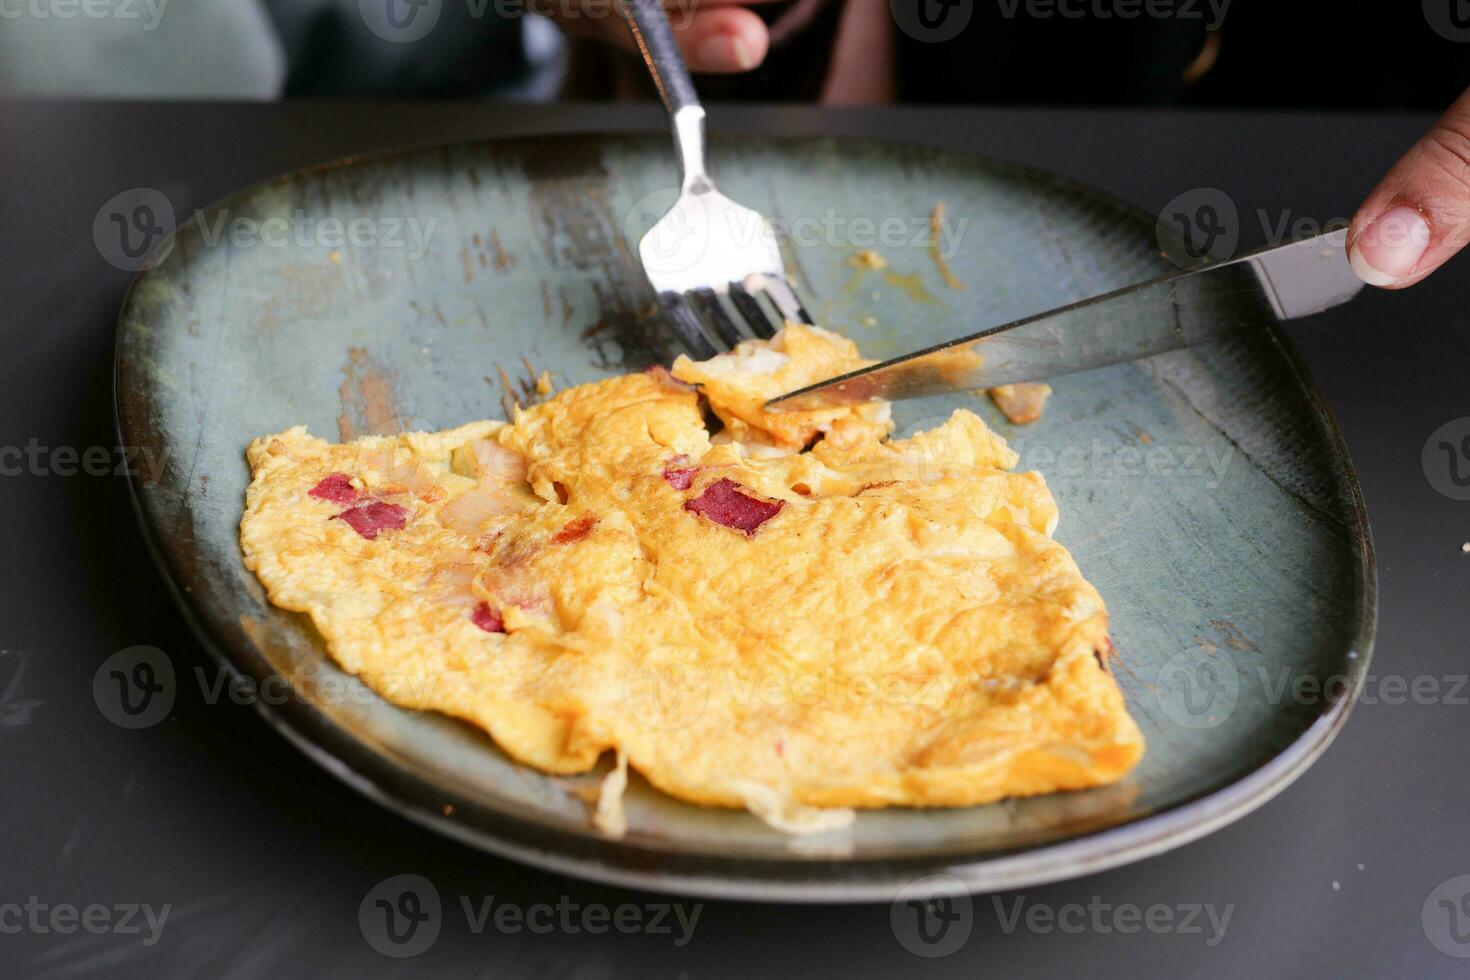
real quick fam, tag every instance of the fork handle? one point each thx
(654, 36)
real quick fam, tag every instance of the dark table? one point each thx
(263, 860)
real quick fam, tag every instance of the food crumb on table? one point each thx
(1022, 404)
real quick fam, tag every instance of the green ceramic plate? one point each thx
(1206, 493)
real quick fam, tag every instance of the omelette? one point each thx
(794, 613)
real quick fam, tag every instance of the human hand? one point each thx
(714, 35)
(1418, 217)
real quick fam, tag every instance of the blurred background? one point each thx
(1365, 54)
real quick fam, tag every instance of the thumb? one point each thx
(1419, 216)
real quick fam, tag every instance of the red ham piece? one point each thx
(487, 619)
(677, 475)
(575, 530)
(723, 503)
(369, 519)
(661, 374)
(336, 487)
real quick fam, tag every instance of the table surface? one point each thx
(263, 860)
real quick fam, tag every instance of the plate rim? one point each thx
(688, 872)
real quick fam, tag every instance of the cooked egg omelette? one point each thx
(797, 612)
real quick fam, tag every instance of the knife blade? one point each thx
(1292, 281)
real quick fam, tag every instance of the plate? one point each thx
(1206, 493)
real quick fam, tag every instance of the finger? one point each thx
(1419, 216)
(677, 7)
(721, 39)
(725, 39)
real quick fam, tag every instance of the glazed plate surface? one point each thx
(1206, 493)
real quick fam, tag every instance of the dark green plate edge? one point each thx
(1087, 848)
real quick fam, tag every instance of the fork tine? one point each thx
(714, 315)
(754, 312)
(785, 299)
(686, 325)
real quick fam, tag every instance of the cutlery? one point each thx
(1295, 280)
(715, 265)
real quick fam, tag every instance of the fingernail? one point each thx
(1389, 249)
(726, 52)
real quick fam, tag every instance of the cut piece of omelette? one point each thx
(750, 619)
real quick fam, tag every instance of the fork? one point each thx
(715, 265)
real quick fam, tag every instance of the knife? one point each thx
(1293, 280)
